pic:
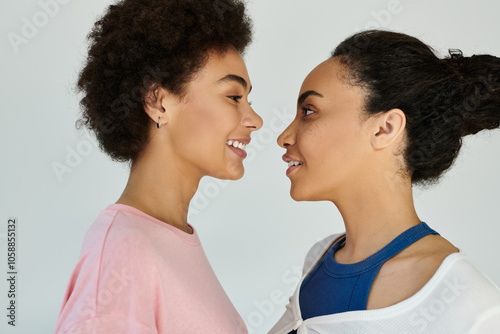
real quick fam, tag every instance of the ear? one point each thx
(388, 128)
(155, 104)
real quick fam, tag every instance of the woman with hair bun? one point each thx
(384, 113)
(164, 88)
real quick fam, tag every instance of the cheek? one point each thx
(315, 143)
(215, 114)
(327, 148)
(207, 125)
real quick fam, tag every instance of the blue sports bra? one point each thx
(333, 287)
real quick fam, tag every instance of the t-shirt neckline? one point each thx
(192, 239)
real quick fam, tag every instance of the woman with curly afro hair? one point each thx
(383, 113)
(165, 89)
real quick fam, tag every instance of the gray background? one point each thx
(254, 235)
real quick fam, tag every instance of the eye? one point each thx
(306, 111)
(235, 98)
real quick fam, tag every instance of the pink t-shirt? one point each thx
(137, 274)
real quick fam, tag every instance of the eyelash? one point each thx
(237, 98)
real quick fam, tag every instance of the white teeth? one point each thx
(236, 144)
(294, 163)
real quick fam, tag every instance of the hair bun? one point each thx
(479, 78)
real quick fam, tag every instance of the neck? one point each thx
(375, 216)
(158, 186)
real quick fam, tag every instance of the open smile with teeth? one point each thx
(236, 144)
(294, 163)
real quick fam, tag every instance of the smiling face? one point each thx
(209, 127)
(329, 138)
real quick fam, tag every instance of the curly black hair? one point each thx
(443, 99)
(140, 44)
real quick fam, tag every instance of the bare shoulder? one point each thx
(407, 272)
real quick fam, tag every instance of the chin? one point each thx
(238, 175)
(233, 177)
(300, 195)
(296, 194)
(236, 172)
(229, 174)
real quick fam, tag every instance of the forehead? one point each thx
(220, 65)
(324, 77)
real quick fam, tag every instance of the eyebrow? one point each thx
(305, 95)
(236, 78)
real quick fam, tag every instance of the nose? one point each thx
(287, 137)
(252, 120)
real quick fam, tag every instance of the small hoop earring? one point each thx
(159, 122)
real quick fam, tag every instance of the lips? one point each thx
(238, 146)
(293, 163)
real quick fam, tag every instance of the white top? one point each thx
(459, 298)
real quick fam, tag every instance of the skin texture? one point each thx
(191, 142)
(356, 162)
